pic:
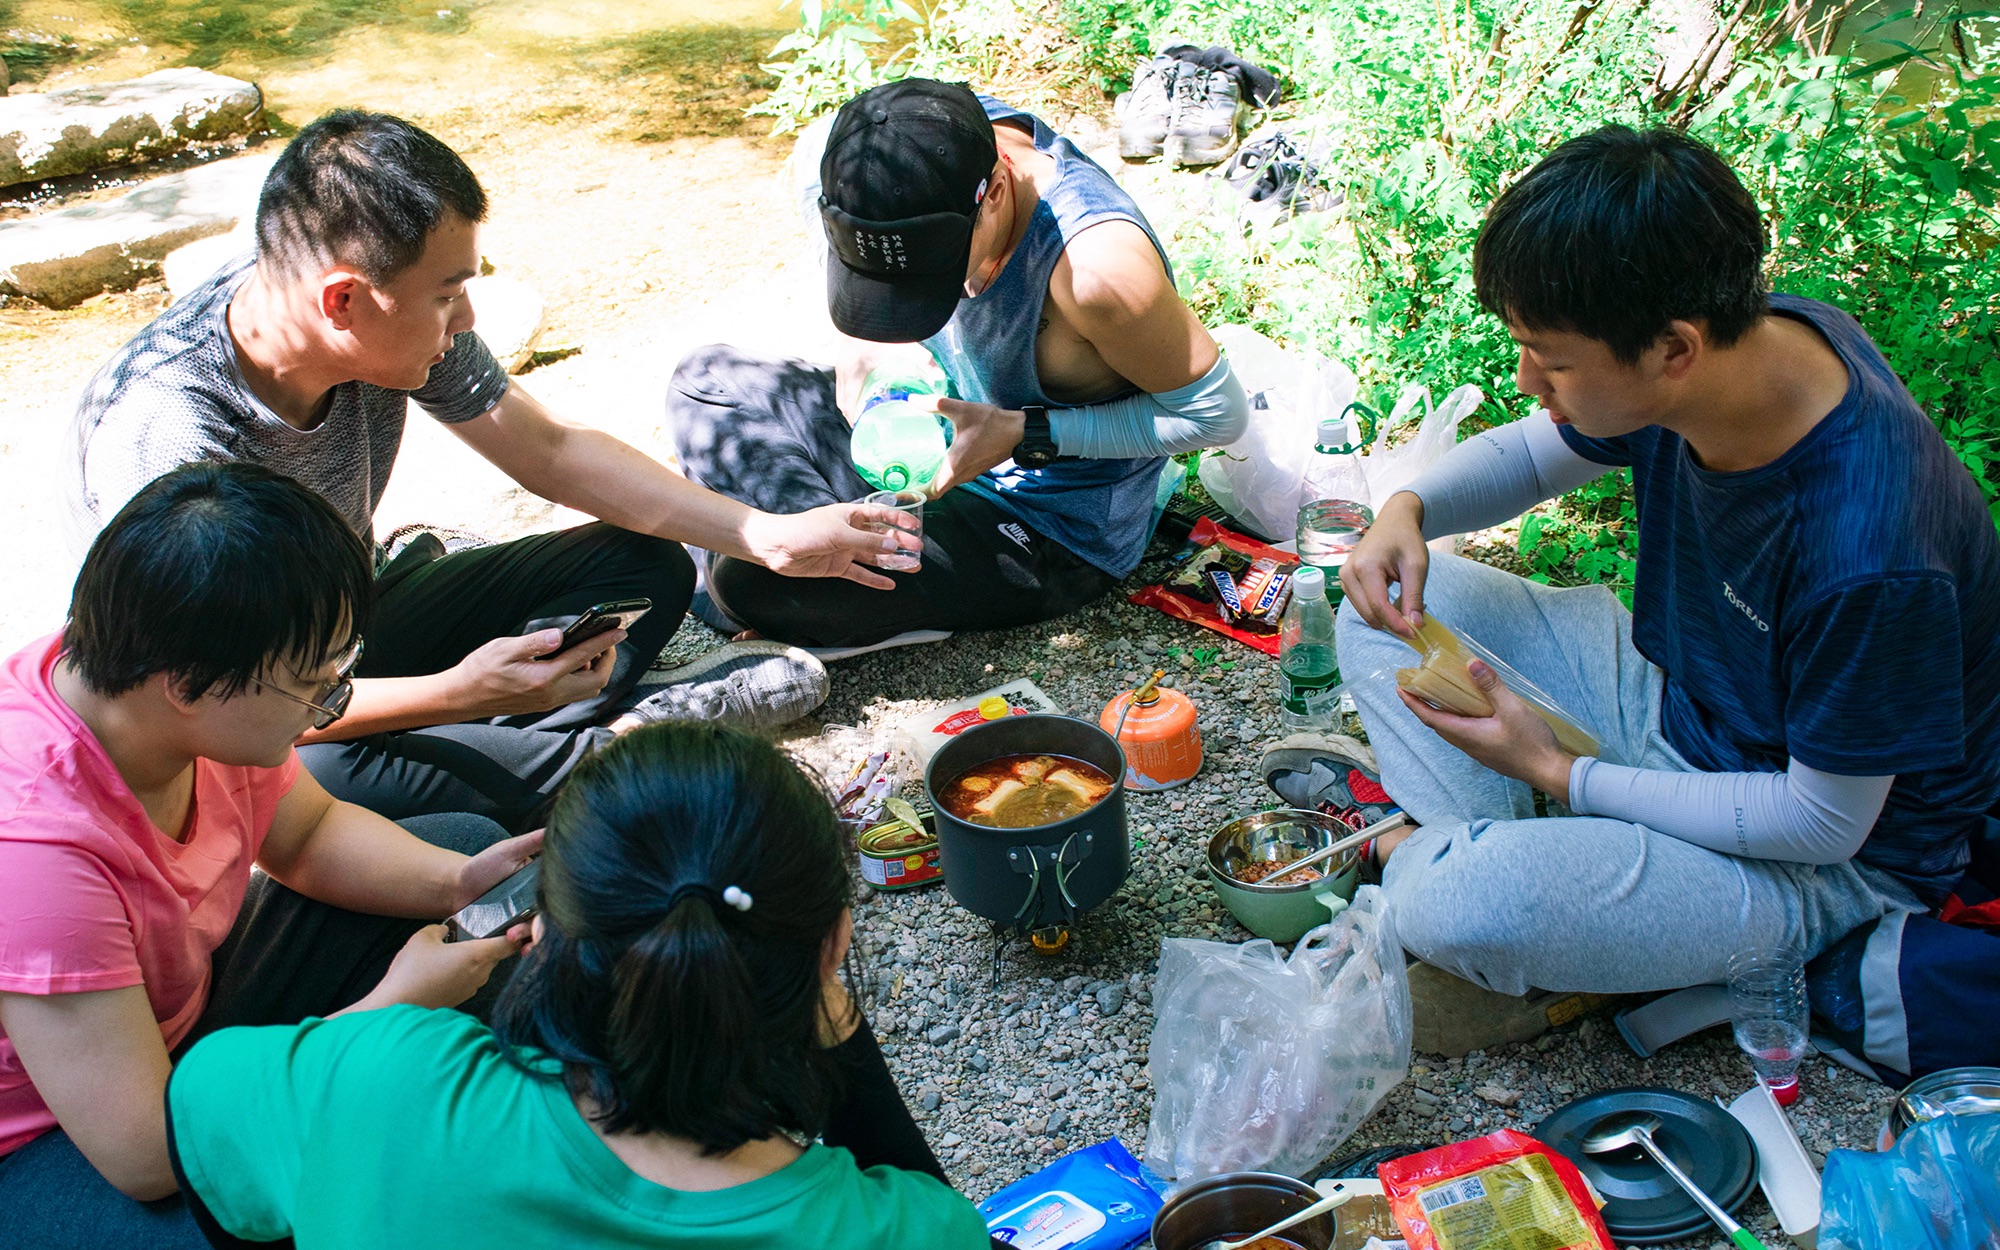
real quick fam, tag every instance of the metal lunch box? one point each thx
(1287, 911)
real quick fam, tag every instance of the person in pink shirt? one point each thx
(146, 765)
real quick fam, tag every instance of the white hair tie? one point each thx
(737, 897)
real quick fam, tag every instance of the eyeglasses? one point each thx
(332, 705)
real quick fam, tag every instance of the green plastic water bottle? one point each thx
(897, 444)
(1309, 685)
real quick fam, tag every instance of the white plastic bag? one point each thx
(1265, 477)
(1263, 1063)
(1390, 469)
(1260, 479)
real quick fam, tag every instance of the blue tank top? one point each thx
(1100, 509)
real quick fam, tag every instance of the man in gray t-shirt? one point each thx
(303, 357)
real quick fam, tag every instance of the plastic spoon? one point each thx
(1636, 1129)
(1321, 1207)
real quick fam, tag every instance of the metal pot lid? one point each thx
(1643, 1205)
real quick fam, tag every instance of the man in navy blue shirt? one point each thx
(1797, 719)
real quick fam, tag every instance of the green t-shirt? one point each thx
(407, 1127)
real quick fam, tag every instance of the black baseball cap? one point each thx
(905, 167)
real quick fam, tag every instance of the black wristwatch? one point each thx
(1037, 448)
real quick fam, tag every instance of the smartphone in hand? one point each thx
(618, 614)
(499, 909)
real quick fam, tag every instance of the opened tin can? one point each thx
(898, 856)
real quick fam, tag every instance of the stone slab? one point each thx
(78, 129)
(65, 257)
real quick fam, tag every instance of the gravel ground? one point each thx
(1014, 1059)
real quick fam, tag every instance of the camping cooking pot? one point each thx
(1044, 875)
(1284, 912)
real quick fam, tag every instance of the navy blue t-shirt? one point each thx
(1840, 605)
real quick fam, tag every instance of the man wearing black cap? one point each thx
(969, 227)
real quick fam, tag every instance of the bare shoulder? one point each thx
(1110, 271)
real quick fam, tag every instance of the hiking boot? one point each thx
(1208, 116)
(1453, 1017)
(1145, 111)
(752, 685)
(1327, 772)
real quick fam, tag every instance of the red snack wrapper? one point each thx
(1496, 1192)
(1177, 602)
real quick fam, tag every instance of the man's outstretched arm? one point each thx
(593, 472)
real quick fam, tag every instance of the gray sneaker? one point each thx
(752, 685)
(1145, 111)
(1208, 117)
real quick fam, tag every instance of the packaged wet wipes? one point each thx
(1502, 1191)
(1096, 1198)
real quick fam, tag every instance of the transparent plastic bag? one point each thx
(1264, 1063)
(1937, 1188)
(1442, 680)
(1389, 469)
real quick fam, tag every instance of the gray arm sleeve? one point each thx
(1211, 411)
(1801, 816)
(1497, 475)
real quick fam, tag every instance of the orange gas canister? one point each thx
(1157, 729)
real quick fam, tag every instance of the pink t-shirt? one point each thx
(92, 896)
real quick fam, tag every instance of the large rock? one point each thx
(65, 257)
(77, 129)
(186, 268)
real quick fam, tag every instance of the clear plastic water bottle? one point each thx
(1771, 1015)
(1309, 685)
(898, 444)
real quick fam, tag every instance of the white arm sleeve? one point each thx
(1211, 411)
(1802, 815)
(1497, 475)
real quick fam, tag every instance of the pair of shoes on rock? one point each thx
(1177, 109)
(1279, 176)
(752, 685)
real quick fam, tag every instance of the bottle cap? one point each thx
(993, 707)
(1309, 581)
(1333, 432)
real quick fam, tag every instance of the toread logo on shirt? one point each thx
(1729, 593)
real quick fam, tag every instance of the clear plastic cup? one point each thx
(910, 503)
(1768, 1007)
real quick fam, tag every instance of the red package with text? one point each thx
(1498, 1192)
(1190, 590)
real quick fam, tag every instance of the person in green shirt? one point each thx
(656, 1075)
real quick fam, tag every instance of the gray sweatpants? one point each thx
(1489, 891)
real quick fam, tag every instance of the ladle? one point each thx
(1636, 1129)
(1321, 1207)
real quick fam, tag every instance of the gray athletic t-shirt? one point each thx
(175, 394)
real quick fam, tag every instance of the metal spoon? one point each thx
(1321, 1207)
(1354, 839)
(1636, 1129)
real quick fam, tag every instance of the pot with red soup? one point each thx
(1031, 819)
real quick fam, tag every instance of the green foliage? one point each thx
(840, 49)
(1593, 537)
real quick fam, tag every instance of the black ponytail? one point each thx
(675, 1011)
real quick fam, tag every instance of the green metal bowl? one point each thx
(1282, 912)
